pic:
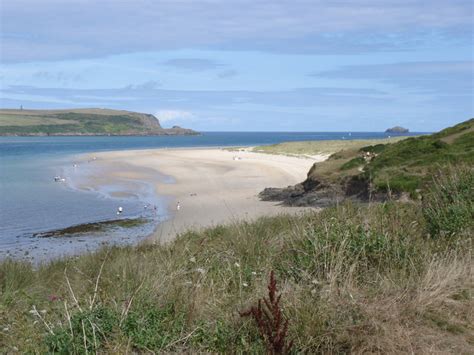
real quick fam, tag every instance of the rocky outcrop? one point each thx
(316, 192)
(397, 129)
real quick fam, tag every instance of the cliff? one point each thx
(83, 122)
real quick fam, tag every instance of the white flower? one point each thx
(237, 265)
(245, 284)
(254, 273)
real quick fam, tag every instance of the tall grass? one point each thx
(449, 206)
(352, 279)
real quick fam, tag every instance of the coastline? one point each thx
(212, 185)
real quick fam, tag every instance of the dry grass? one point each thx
(353, 279)
(328, 147)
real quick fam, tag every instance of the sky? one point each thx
(245, 65)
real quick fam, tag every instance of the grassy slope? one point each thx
(79, 121)
(309, 148)
(352, 278)
(406, 165)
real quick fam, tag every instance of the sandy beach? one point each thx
(212, 186)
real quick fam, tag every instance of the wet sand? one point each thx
(212, 186)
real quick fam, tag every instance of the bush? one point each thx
(448, 208)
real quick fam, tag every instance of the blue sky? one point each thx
(245, 65)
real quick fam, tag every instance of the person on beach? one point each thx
(119, 210)
(178, 206)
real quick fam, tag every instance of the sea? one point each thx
(31, 202)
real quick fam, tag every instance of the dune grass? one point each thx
(371, 278)
(327, 147)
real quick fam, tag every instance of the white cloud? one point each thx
(173, 115)
(54, 29)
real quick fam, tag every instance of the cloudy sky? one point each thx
(246, 65)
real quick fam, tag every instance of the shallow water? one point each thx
(31, 202)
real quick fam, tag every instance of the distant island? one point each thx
(83, 122)
(397, 129)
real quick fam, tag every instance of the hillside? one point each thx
(94, 122)
(388, 278)
(380, 170)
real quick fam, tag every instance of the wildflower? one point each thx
(254, 273)
(53, 298)
(245, 284)
(237, 265)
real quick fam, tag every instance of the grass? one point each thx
(29, 120)
(321, 147)
(402, 165)
(409, 164)
(368, 278)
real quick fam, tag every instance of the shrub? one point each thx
(448, 208)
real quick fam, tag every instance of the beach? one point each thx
(205, 187)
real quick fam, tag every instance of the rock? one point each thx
(397, 129)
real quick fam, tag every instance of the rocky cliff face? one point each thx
(317, 192)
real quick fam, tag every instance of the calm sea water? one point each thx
(31, 202)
